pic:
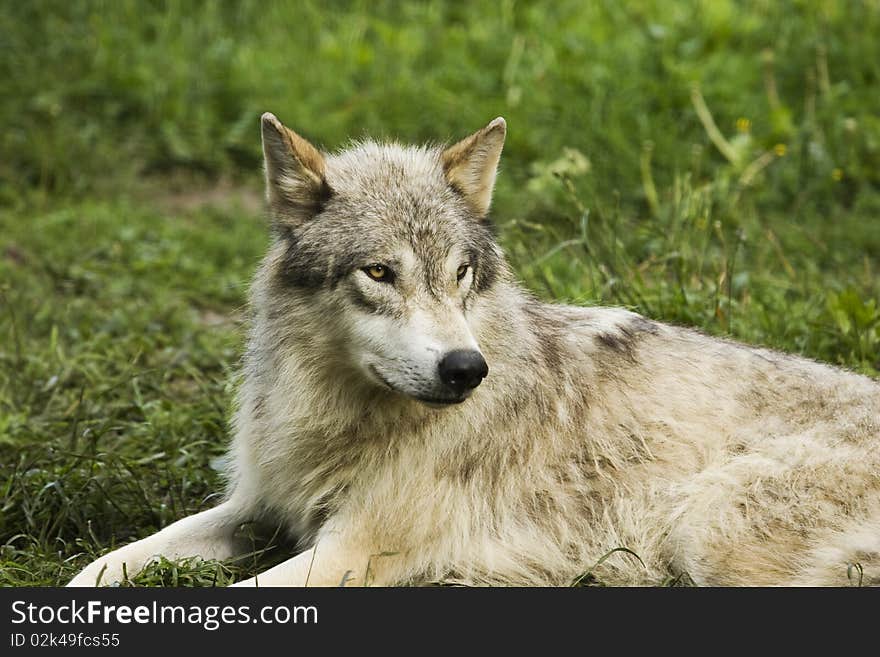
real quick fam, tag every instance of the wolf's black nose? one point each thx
(463, 369)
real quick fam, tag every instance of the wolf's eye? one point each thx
(462, 271)
(379, 273)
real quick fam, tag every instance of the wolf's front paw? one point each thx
(91, 575)
(101, 572)
(251, 583)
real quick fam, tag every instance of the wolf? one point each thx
(411, 415)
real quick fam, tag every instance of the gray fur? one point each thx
(595, 428)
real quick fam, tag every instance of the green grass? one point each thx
(714, 164)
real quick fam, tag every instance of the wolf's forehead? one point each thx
(389, 176)
(391, 193)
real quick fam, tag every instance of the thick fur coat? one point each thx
(595, 428)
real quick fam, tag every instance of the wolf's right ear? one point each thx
(295, 183)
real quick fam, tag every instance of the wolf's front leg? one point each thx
(329, 563)
(209, 534)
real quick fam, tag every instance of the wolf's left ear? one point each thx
(471, 164)
(295, 183)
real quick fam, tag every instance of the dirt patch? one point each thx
(184, 194)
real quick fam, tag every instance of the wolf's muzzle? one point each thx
(462, 370)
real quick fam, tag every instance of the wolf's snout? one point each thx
(463, 369)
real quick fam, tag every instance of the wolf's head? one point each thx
(387, 250)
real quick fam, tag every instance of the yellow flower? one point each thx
(743, 124)
(780, 149)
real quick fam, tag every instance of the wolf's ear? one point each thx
(295, 183)
(471, 164)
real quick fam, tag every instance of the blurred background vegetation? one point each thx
(711, 163)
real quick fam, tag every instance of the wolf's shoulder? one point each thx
(594, 321)
(623, 331)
